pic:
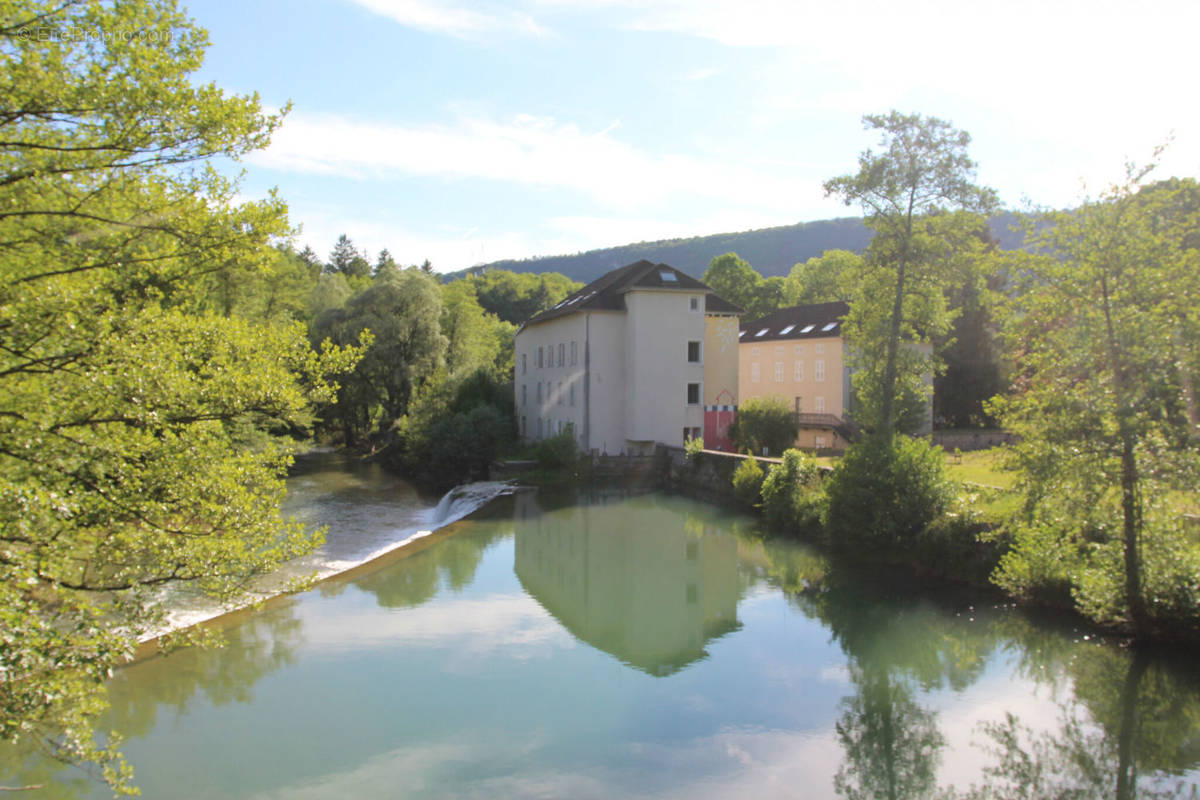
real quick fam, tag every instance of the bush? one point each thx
(886, 491)
(790, 493)
(558, 451)
(453, 431)
(747, 482)
(764, 422)
(693, 447)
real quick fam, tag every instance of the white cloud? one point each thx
(514, 624)
(528, 150)
(453, 20)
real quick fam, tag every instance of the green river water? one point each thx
(604, 645)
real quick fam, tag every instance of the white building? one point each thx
(643, 354)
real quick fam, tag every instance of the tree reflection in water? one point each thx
(1128, 727)
(257, 644)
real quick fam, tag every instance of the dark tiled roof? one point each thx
(797, 322)
(607, 293)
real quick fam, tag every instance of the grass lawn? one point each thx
(979, 466)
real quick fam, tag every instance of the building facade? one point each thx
(643, 354)
(798, 354)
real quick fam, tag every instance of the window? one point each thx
(693, 394)
(741, 334)
(539, 428)
(754, 372)
(574, 361)
(539, 360)
(807, 328)
(798, 350)
(754, 351)
(819, 404)
(829, 326)
(690, 433)
(819, 369)
(693, 352)
(762, 332)
(695, 304)
(523, 433)
(798, 371)
(668, 277)
(820, 440)
(539, 392)
(572, 394)
(524, 366)
(786, 330)
(524, 393)
(560, 400)
(779, 372)
(561, 352)
(820, 348)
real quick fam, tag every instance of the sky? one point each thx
(467, 132)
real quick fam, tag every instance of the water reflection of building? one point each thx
(630, 578)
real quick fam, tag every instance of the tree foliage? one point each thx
(515, 297)
(402, 313)
(135, 386)
(822, 279)
(764, 423)
(1106, 335)
(905, 192)
(735, 280)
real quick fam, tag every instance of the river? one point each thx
(602, 644)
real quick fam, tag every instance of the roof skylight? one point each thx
(808, 328)
(667, 276)
(788, 329)
(741, 334)
(762, 332)
(829, 326)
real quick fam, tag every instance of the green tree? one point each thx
(735, 280)
(822, 279)
(131, 410)
(922, 172)
(384, 263)
(475, 339)
(1106, 335)
(516, 296)
(347, 260)
(765, 422)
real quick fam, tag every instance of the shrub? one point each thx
(747, 482)
(764, 422)
(693, 447)
(454, 429)
(790, 495)
(558, 451)
(886, 491)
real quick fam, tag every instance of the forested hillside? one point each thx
(772, 251)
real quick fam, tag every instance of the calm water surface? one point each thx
(608, 645)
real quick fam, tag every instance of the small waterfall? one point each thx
(462, 500)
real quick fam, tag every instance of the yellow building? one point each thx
(797, 353)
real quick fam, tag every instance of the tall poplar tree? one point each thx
(922, 173)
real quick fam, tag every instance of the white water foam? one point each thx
(454, 505)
